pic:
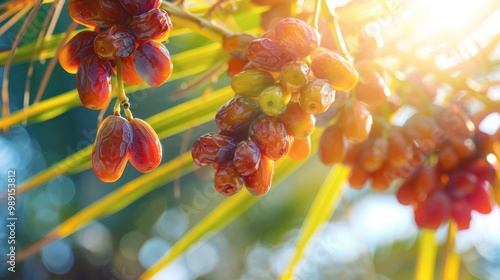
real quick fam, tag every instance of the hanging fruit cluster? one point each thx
(277, 95)
(125, 30)
(446, 166)
(126, 41)
(287, 82)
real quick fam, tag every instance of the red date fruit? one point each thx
(246, 157)
(146, 151)
(227, 180)
(212, 148)
(259, 182)
(425, 132)
(358, 177)
(93, 82)
(371, 88)
(461, 213)
(317, 96)
(356, 121)
(78, 48)
(336, 69)
(114, 42)
(433, 211)
(301, 148)
(235, 66)
(481, 200)
(129, 74)
(296, 36)
(298, 123)
(153, 63)
(332, 145)
(111, 148)
(267, 54)
(153, 25)
(237, 44)
(100, 13)
(457, 126)
(236, 114)
(374, 153)
(270, 135)
(137, 7)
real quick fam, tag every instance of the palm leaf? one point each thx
(224, 214)
(426, 255)
(321, 210)
(166, 124)
(115, 201)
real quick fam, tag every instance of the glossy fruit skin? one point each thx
(93, 82)
(137, 7)
(336, 69)
(76, 49)
(434, 211)
(332, 145)
(273, 100)
(235, 66)
(236, 114)
(356, 121)
(374, 153)
(111, 148)
(246, 157)
(152, 25)
(301, 148)
(455, 123)
(236, 44)
(114, 42)
(269, 55)
(270, 135)
(317, 96)
(259, 182)
(298, 123)
(371, 88)
(251, 83)
(296, 36)
(227, 180)
(294, 75)
(97, 13)
(146, 150)
(212, 148)
(129, 74)
(424, 132)
(153, 63)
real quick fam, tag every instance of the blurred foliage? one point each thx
(170, 222)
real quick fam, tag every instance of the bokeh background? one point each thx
(370, 236)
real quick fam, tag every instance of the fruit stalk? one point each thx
(336, 33)
(183, 18)
(122, 98)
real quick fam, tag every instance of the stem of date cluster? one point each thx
(182, 18)
(317, 9)
(122, 98)
(337, 34)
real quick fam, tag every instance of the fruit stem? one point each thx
(197, 24)
(317, 9)
(337, 34)
(122, 98)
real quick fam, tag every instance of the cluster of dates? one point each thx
(440, 157)
(126, 30)
(277, 96)
(120, 140)
(126, 41)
